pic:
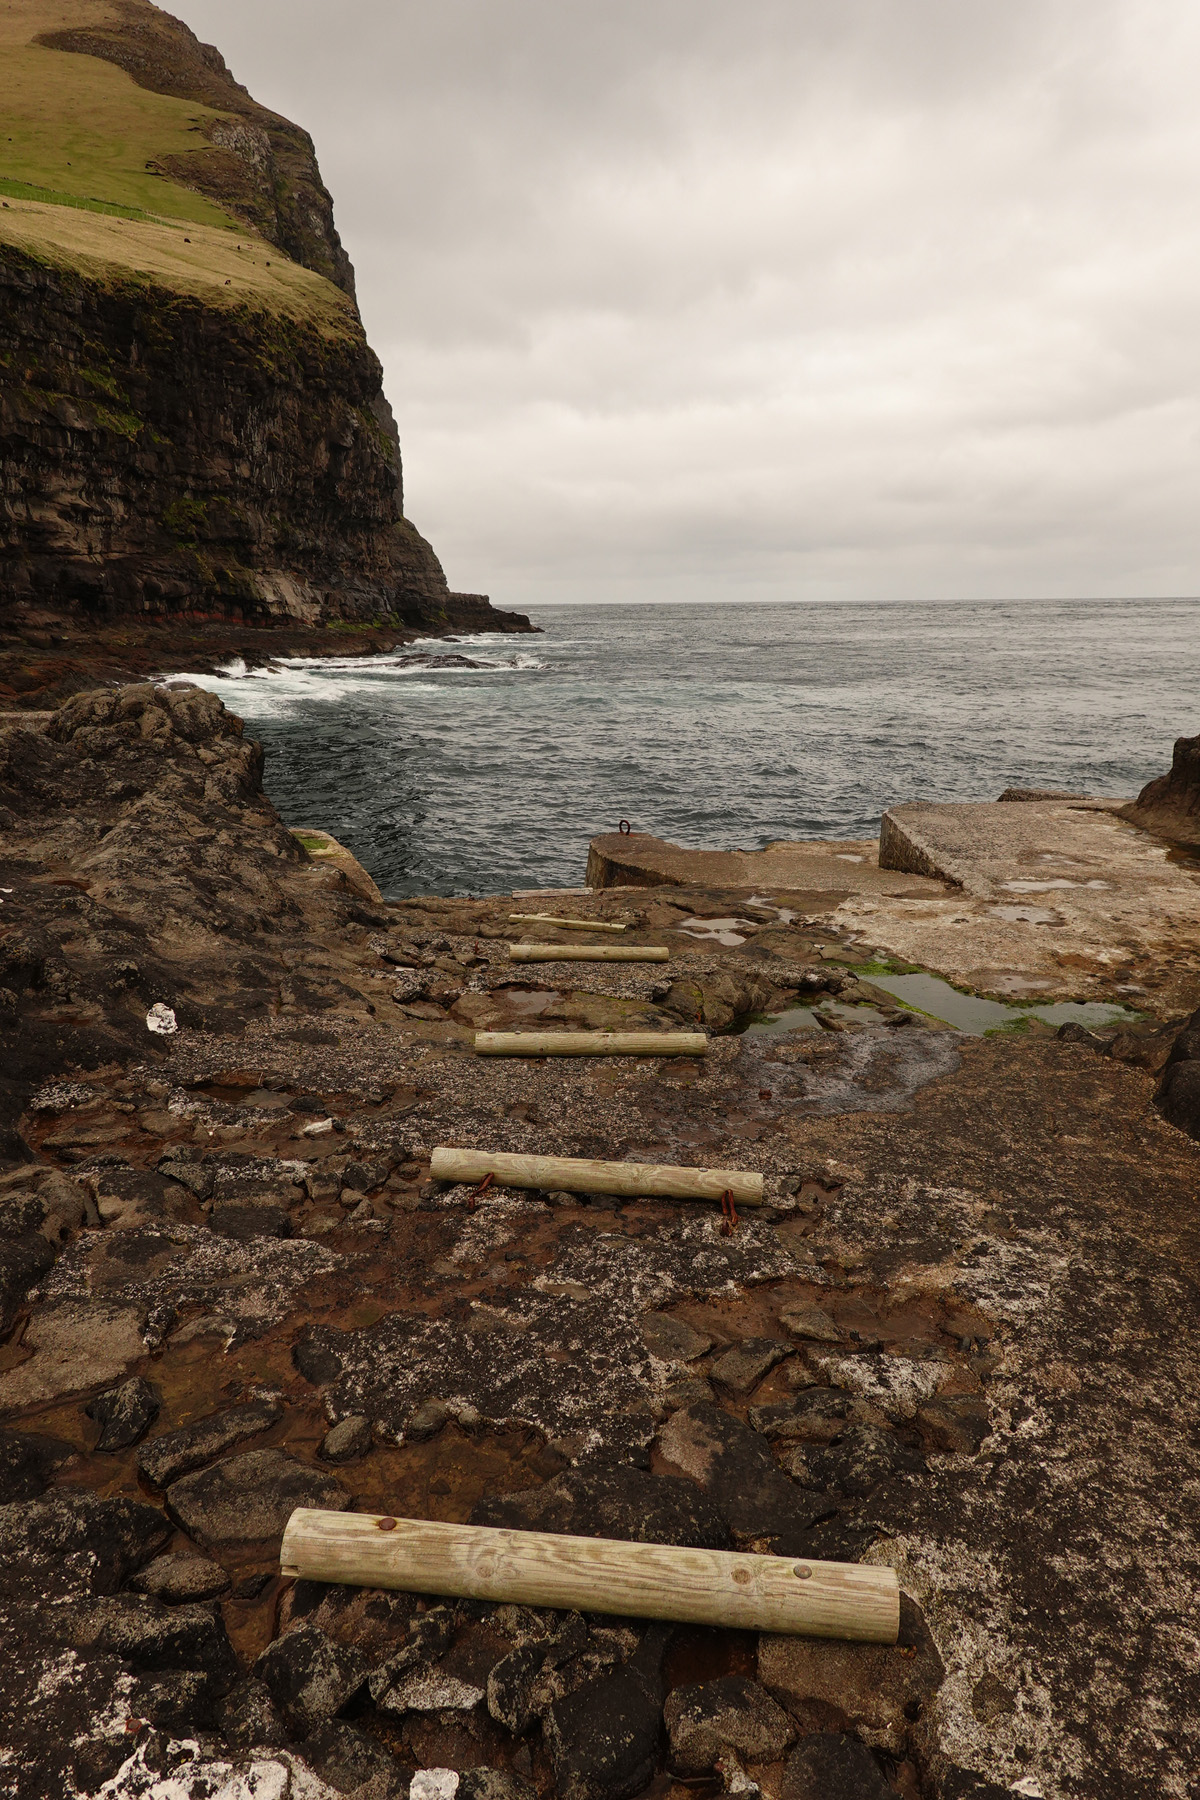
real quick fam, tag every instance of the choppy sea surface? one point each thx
(713, 726)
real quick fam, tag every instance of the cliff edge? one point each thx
(193, 428)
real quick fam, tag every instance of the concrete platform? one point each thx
(831, 866)
(1061, 897)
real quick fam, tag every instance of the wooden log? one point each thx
(588, 953)
(571, 924)
(742, 1591)
(584, 1175)
(590, 1043)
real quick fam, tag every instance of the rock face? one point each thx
(1170, 804)
(175, 447)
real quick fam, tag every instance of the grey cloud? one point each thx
(818, 297)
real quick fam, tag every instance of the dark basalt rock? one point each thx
(734, 1466)
(348, 1441)
(247, 1715)
(28, 1462)
(174, 1578)
(23, 1260)
(493, 1784)
(521, 1686)
(124, 1413)
(604, 1739)
(250, 1498)
(743, 1366)
(355, 1763)
(316, 1353)
(145, 1633)
(833, 1766)
(1170, 804)
(728, 1714)
(309, 1676)
(612, 1501)
(164, 1459)
(858, 1462)
(245, 1222)
(1178, 1095)
(955, 1423)
(74, 1542)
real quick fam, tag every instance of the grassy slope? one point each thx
(82, 131)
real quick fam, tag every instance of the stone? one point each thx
(604, 1738)
(734, 1466)
(176, 1578)
(426, 1420)
(614, 1501)
(673, 1340)
(249, 1498)
(810, 1321)
(124, 1413)
(427, 1640)
(315, 1354)
(434, 1784)
(689, 1390)
(731, 1713)
(244, 1221)
(149, 1635)
(356, 1763)
(743, 1367)
(1170, 804)
(858, 1462)
(834, 1766)
(24, 1259)
(493, 1784)
(199, 1181)
(955, 1423)
(164, 1459)
(73, 1541)
(1178, 1097)
(346, 1441)
(28, 1461)
(879, 1689)
(308, 1675)
(247, 1716)
(74, 1346)
(814, 1415)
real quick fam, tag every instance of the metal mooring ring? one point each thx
(624, 827)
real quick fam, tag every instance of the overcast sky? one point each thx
(769, 299)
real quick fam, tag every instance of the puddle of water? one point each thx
(1024, 915)
(975, 1015)
(784, 914)
(724, 931)
(1044, 887)
(804, 1018)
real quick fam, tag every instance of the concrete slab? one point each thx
(639, 860)
(1064, 898)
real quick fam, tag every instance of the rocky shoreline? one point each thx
(959, 1338)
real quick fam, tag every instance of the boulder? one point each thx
(833, 1766)
(743, 1366)
(673, 1340)
(612, 1501)
(879, 1689)
(347, 1441)
(858, 1462)
(124, 1413)
(250, 1498)
(164, 1459)
(731, 1713)
(603, 1739)
(28, 1461)
(72, 1542)
(354, 1762)
(244, 1221)
(734, 1466)
(186, 1578)
(1170, 804)
(308, 1676)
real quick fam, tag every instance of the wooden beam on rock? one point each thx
(529, 953)
(584, 1175)
(590, 1043)
(569, 924)
(741, 1591)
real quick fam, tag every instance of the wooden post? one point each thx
(583, 1175)
(590, 1043)
(742, 1591)
(569, 924)
(588, 953)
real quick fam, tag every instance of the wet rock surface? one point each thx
(958, 1338)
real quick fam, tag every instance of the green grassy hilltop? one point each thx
(115, 160)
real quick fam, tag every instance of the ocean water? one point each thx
(713, 726)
